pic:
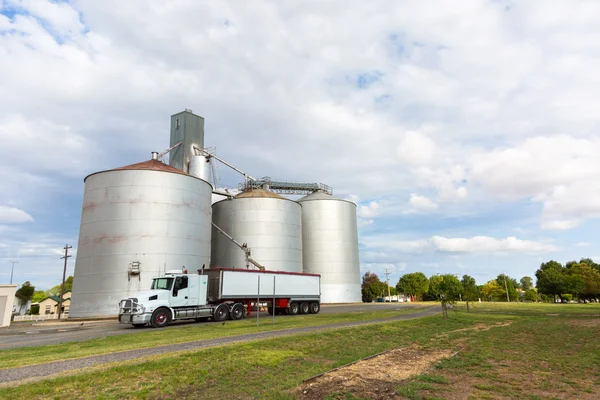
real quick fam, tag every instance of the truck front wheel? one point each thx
(161, 318)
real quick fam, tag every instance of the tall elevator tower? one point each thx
(188, 128)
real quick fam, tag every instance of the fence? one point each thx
(43, 317)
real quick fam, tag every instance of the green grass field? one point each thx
(524, 351)
(149, 337)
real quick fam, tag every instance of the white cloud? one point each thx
(10, 215)
(416, 148)
(582, 244)
(485, 244)
(370, 210)
(474, 245)
(421, 204)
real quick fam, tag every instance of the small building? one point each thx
(50, 304)
(7, 296)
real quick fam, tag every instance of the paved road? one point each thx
(25, 334)
(52, 368)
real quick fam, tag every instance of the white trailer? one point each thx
(221, 293)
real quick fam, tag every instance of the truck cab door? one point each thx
(180, 293)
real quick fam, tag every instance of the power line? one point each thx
(387, 279)
(12, 270)
(62, 286)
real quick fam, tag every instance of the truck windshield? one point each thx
(162, 283)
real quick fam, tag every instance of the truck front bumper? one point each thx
(134, 318)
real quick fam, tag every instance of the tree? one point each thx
(551, 279)
(55, 290)
(38, 296)
(470, 289)
(448, 289)
(372, 287)
(492, 291)
(582, 280)
(526, 283)
(433, 291)
(589, 262)
(414, 284)
(504, 281)
(531, 295)
(24, 294)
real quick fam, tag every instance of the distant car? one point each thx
(380, 300)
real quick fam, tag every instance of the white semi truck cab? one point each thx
(221, 294)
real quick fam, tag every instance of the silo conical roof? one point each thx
(321, 196)
(262, 193)
(150, 165)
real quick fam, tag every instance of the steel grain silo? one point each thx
(270, 224)
(330, 246)
(136, 222)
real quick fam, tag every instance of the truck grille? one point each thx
(128, 306)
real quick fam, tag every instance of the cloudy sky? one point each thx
(467, 131)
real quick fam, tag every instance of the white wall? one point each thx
(7, 297)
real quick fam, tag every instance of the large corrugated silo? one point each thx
(330, 246)
(137, 222)
(270, 224)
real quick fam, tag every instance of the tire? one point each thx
(270, 310)
(315, 307)
(294, 308)
(161, 318)
(221, 313)
(304, 308)
(138, 326)
(237, 312)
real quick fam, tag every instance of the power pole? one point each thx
(62, 286)
(506, 287)
(12, 270)
(387, 279)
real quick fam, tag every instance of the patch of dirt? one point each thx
(585, 323)
(475, 328)
(482, 327)
(374, 378)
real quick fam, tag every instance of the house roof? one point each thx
(55, 298)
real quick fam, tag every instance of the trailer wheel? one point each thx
(161, 318)
(221, 313)
(294, 308)
(304, 309)
(237, 311)
(315, 307)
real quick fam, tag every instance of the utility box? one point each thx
(188, 128)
